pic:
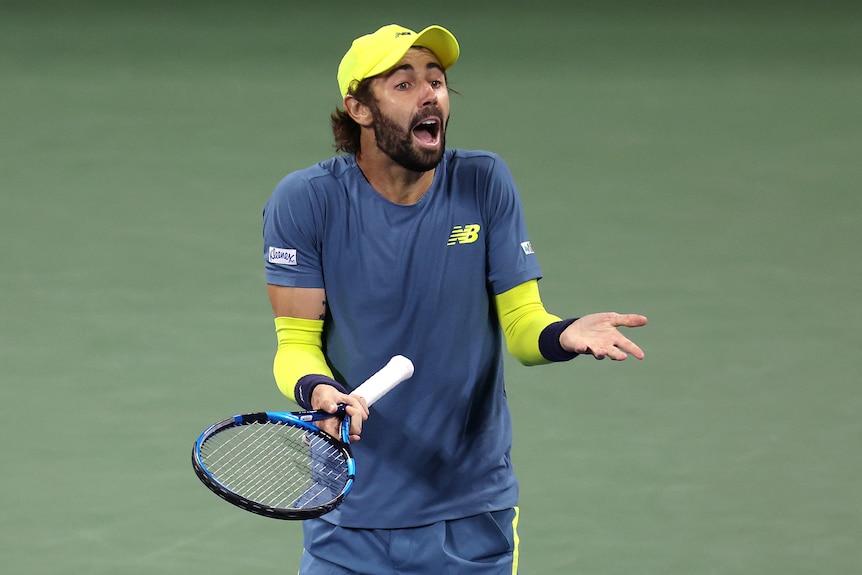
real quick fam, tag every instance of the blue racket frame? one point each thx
(303, 420)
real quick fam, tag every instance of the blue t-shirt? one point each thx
(416, 280)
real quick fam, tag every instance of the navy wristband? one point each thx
(549, 341)
(305, 387)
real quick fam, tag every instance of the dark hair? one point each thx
(344, 129)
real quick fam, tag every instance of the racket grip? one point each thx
(397, 370)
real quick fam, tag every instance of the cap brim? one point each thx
(440, 41)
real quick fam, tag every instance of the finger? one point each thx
(357, 407)
(355, 423)
(629, 320)
(363, 405)
(598, 353)
(330, 426)
(329, 403)
(617, 354)
(356, 415)
(628, 346)
(582, 348)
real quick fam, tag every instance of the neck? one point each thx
(391, 180)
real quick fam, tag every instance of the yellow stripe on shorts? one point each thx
(517, 541)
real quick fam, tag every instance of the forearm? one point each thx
(532, 334)
(299, 362)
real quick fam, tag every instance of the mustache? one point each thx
(429, 112)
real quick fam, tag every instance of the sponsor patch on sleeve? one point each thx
(527, 247)
(283, 256)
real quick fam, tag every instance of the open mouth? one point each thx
(427, 132)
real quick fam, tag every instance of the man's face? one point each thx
(411, 110)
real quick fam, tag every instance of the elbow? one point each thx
(525, 357)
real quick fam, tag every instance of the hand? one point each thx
(597, 335)
(326, 398)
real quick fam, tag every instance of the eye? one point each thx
(402, 86)
(436, 84)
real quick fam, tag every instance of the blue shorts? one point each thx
(485, 544)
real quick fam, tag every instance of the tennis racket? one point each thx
(280, 464)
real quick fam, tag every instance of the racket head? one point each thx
(276, 464)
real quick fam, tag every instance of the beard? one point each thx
(397, 142)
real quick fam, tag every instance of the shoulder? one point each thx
(309, 194)
(476, 159)
(478, 165)
(484, 172)
(331, 173)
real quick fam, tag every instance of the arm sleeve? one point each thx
(532, 334)
(300, 355)
(523, 318)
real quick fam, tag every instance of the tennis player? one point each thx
(402, 246)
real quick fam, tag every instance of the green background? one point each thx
(698, 162)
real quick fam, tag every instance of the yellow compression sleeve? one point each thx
(300, 352)
(523, 317)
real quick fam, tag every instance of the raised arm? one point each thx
(534, 336)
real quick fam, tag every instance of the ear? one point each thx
(360, 113)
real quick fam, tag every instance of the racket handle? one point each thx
(397, 370)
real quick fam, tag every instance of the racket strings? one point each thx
(256, 464)
(276, 465)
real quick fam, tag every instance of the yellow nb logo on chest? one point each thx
(464, 234)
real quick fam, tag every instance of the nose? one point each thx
(428, 93)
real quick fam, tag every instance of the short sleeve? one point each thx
(511, 259)
(292, 228)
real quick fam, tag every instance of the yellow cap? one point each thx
(375, 53)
